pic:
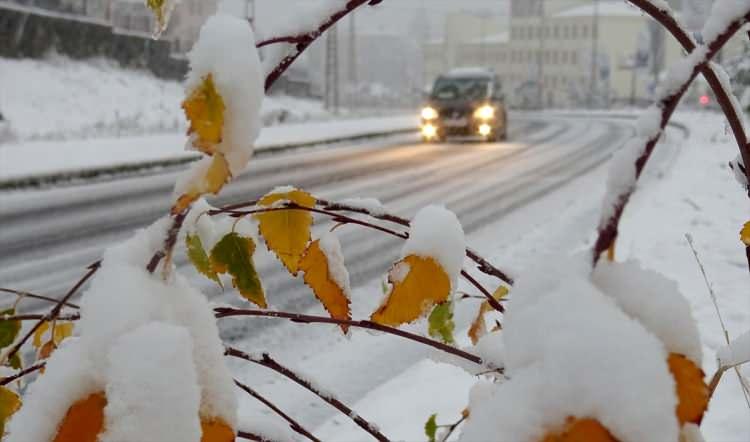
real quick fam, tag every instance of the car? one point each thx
(465, 102)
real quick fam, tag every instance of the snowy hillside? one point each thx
(59, 98)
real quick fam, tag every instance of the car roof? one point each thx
(469, 72)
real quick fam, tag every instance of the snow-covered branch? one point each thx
(727, 19)
(713, 73)
(267, 361)
(303, 32)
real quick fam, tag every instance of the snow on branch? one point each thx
(302, 32)
(630, 162)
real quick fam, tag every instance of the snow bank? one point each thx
(151, 371)
(656, 302)
(226, 50)
(436, 233)
(570, 351)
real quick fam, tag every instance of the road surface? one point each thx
(49, 236)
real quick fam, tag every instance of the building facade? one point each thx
(563, 53)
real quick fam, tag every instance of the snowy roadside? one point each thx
(43, 160)
(700, 185)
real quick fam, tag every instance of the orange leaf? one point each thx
(581, 430)
(204, 109)
(745, 234)
(216, 430)
(478, 327)
(84, 420)
(318, 276)
(287, 232)
(418, 284)
(209, 181)
(692, 392)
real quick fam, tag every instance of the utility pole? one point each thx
(594, 54)
(540, 57)
(332, 70)
(353, 80)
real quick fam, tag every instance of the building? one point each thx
(560, 53)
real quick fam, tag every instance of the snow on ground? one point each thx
(59, 98)
(696, 194)
(36, 158)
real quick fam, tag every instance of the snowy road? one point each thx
(49, 236)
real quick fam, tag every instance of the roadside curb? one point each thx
(137, 167)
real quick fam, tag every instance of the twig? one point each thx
(294, 425)
(452, 427)
(608, 229)
(720, 371)
(266, 361)
(28, 370)
(38, 317)
(169, 242)
(252, 436)
(303, 40)
(225, 312)
(35, 296)
(55, 312)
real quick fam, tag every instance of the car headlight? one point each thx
(429, 113)
(485, 112)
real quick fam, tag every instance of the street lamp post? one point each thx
(594, 53)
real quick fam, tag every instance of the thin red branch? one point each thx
(169, 242)
(22, 294)
(37, 317)
(28, 370)
(252, 436)
(267, 361)
(225, 312)
(304, 40)
(723, 96)
(55, 312)
(293, 424)
(608, 230)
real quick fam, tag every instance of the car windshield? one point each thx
(460, 88)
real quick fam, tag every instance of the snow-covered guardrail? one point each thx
(43, 163)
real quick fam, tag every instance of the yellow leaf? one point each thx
(478, 327)
(233, 254)
(581, 430)
(216, 430)
(62, 331)
(418, 284)
(745, 234)
(318, 276)
(9, 404)
(287, 232)
(216, 175)
(204, 109)
(692, 391)
(84, 420)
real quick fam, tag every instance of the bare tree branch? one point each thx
(23, 294)
(266, 361)
(225, 312)
(294, 425)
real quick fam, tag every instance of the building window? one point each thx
(574, 31)
(585, 31)
(556, 32)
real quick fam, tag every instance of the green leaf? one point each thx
(197, 255)
(430, 427)
(441, 322)
(8, 329)
(234, 255)
(15, 362)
